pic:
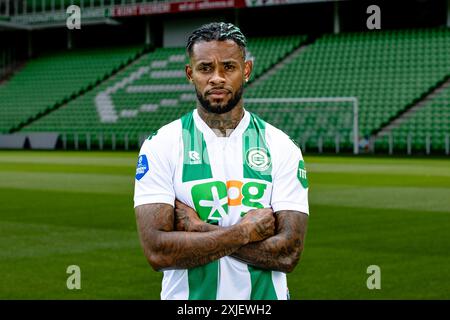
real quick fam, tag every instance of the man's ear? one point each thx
(248, 68)
(188, 70)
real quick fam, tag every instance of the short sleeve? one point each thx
(290, 183)
(154, 174)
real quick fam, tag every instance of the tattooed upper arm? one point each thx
(151, 219)
(292, 224)
(158, 216)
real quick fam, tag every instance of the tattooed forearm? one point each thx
(169, 249)
(165, 248)
(282, 251)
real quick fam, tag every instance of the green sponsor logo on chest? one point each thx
(212, 199)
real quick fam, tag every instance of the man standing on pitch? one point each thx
(221, 196)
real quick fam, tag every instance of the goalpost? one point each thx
(296, 108)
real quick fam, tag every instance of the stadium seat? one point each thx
(148, 94)
(56, 78)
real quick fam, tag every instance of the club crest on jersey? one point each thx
(142, 167)
(258, 159)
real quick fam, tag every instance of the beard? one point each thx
(220, 108)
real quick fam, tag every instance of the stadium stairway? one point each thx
(49, 81)
(11, 71)
(423, 128)
(277, 66)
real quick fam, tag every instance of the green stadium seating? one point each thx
(387, 71)
(431, 121)
(55, 78)
(139, 113)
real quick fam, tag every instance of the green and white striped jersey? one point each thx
(257, 166)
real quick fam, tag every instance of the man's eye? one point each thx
(229, 67)
(205, 69)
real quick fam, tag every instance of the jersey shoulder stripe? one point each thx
(255, 150)
(196, 165)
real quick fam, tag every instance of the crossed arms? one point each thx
(176, 238)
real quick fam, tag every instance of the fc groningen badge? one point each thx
(301, 174)
(258, 159)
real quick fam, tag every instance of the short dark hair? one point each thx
(219, 31)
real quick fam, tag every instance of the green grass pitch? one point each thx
(76, 208)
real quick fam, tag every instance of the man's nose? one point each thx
(217, 77)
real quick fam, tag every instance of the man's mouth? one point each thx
(217, 93)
